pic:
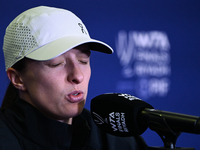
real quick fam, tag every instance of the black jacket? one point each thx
(23, 127)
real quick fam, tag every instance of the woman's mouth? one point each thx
(75, 96)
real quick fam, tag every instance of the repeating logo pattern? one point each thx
(145, 60)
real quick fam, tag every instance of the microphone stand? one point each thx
(167, 135)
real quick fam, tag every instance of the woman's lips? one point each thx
(75, 96)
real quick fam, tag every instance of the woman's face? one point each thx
(58, 87)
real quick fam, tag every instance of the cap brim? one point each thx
(62, 45)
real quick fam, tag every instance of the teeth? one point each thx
(76, 94)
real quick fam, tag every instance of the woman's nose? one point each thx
(75, 75)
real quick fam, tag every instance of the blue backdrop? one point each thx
(156, 55)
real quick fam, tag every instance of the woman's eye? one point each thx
(83, 62)
(54, 65)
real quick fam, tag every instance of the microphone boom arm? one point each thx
(162, 127)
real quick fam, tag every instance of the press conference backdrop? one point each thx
(157, 52)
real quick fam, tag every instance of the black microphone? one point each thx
(126, 115)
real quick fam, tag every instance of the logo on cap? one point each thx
(82, 28)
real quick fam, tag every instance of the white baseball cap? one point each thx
(43, 33)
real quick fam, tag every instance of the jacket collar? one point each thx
(33, 125)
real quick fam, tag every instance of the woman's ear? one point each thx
(15, 78)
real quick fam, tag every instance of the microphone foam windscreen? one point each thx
(116, 113)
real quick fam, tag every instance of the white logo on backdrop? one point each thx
(145, 61)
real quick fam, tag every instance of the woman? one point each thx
(47, 58)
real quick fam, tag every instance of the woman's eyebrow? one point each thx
(86, 51)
